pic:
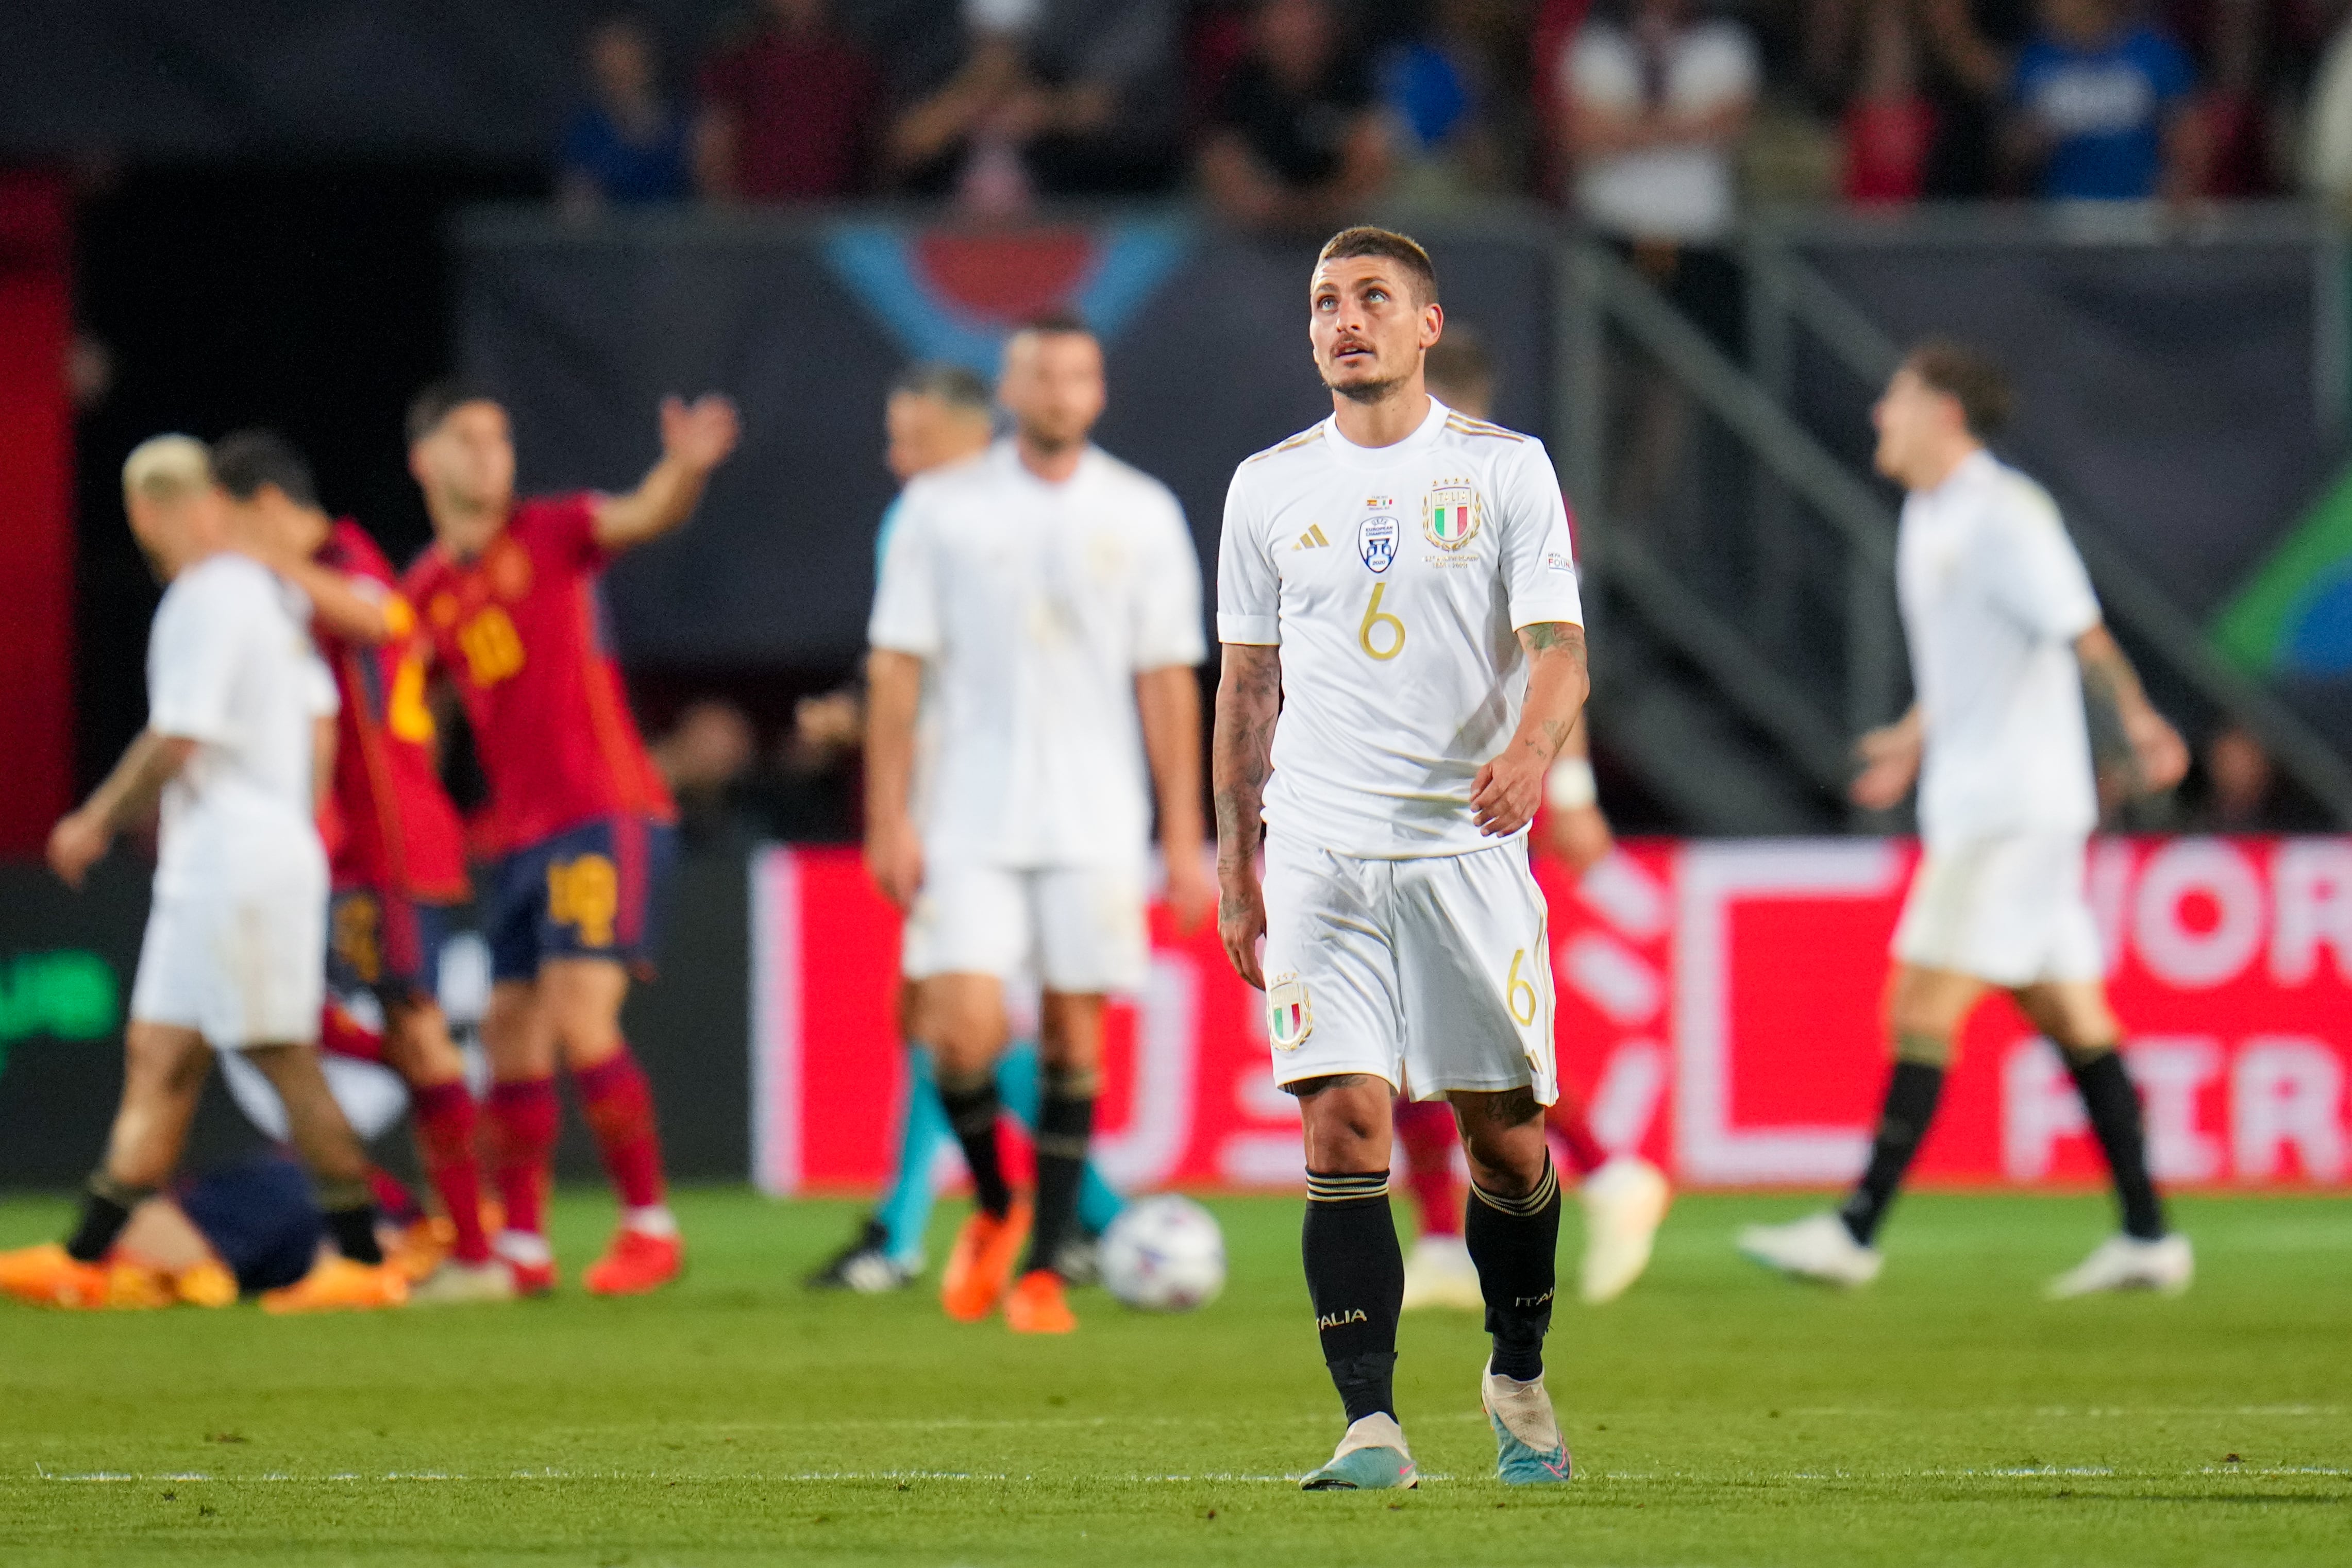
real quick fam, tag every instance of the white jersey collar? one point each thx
(1395, 452)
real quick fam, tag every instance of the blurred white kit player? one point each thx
(1993, 597)
(1034, 606)
(1401, 940)
(236, 943)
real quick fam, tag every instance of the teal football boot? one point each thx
(1371, 1458)
(1528, 1449)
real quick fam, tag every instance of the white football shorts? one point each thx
(1077, 930)
(242, 968)
(1433, 973)
(2011, 911)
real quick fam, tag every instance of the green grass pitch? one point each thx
(1718, 1415)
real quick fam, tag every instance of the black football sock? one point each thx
(1513, 1241)
(1355, 1274)
(1065, 1118)
(971, 1112)
(105, 1207)
(349, 1210)
(1904, 1118)
(2115, 1111)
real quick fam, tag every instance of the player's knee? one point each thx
(1926, 1047)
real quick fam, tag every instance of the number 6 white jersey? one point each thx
(1394, 580)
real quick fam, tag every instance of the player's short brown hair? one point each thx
(1058, 323)
(429, 407)
(956, 386)
(245, 460)
(1969, 377)
(1459, 361)
(1401, 248)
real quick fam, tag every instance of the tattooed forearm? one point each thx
(2111, 688)
(1249, 700)
(1556, 685)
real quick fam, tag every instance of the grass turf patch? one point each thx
(1718, 1415)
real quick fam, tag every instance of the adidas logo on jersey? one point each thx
(1312, 539)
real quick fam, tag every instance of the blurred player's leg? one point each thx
(523, 1117)
(968, 1019)
(2074, 1014)
(164, 1066)
(419, 1048)
(1513, 1231)
(582, 997)
(338, 1163)
(1020, 1086)
(1624, 1199)
(1068, 1050)
(1438, 1271)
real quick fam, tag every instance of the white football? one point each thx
(1164, 1254)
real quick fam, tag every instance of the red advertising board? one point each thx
(1718, 1011)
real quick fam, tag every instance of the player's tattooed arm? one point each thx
(1504, 794)
(696, 438)
(2139, 743)
(1249, 700)
(81, 837)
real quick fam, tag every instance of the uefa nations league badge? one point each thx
(1376, 536)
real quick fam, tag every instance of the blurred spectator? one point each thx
(1448, 100)
(1296, 140)
(809, 794)
(1047, 97)
(1867, 60)
(2105, 107)
(628, 145)
(707, 758)
(1657, 97)
(2327, 136)
(2255, 57)
(2239, 781)
(789, 113)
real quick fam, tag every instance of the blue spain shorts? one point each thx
(259, 1215)
(589, 892)
(385, 943)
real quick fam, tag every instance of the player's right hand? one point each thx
(1241, 922)
(78, 843)
(1890, 761)
(894, 859)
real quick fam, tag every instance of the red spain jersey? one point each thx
(521, 630)
(396, 828)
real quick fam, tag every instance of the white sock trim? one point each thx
(523, 1247)
(1377, 1431)
(654, 1220)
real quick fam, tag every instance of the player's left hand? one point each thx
(1504, 794)
(1192, 893)
(699, 434)
(2157, 748)
(78, 843)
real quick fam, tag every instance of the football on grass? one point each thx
(1164, 1254)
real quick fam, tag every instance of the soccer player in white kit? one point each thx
(234, 951)
(1403, 661)
(2006, 639)
(1051, 596)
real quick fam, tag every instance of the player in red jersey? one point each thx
(396, 850)
(582, 823)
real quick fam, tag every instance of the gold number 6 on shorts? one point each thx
(1375, 618)
(1516, 987)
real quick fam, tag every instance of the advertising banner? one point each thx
(1717, 1009)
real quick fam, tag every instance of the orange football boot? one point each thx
(980, 1268)
(1038, 1305)
(635, 1263)
(205, 1284)
(339, 1285)
(49, 1276)
(423, 1246)
(135, 1285)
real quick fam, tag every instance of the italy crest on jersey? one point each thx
(1376, 541)
(1449, 516)
(1289, 1018)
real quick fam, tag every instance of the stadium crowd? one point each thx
(1648, 118)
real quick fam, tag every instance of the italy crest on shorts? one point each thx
(1449, 515)
(1289, 1017)
(1376, 541)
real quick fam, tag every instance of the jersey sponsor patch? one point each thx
(1449, 514)
(1376, 541)
(1289, 1016)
